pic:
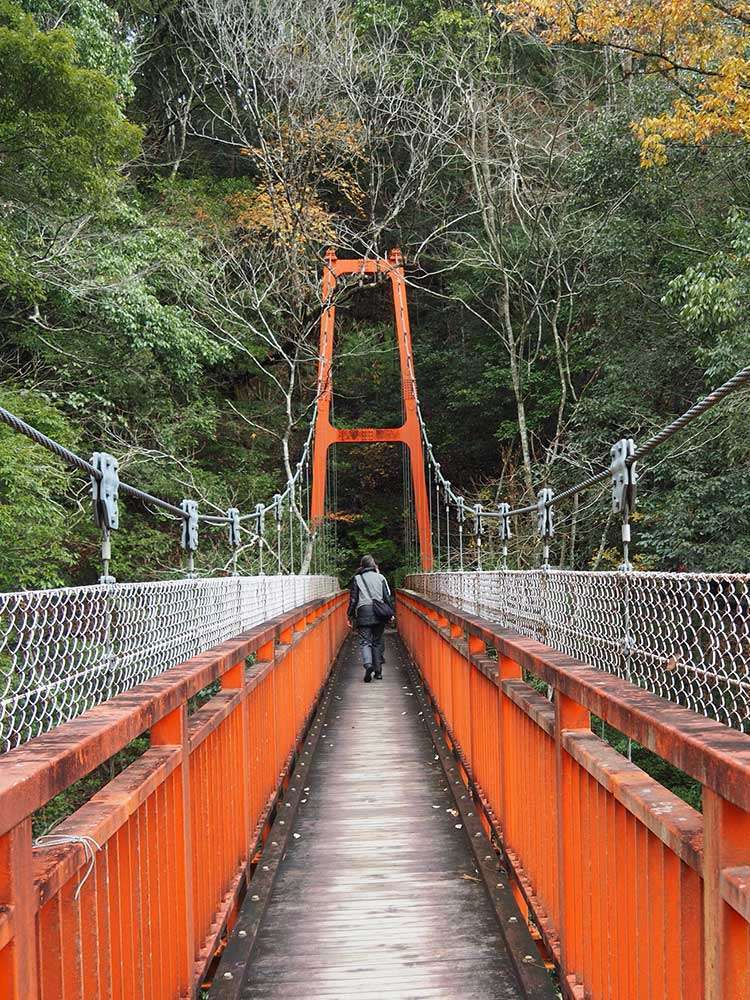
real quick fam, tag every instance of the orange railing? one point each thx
(631, 892)
(171, 839)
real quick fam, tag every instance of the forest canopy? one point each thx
(569, 184)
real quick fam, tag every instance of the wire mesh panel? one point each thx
(64, 651)
(683, 636)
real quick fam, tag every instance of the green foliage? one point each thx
(687, 788)
(38, 513)
(62, 133)
(110, 282)
(127, 305)
(98, 34)
(711, 297)
(67, 802)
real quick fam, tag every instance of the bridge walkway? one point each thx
(377, 894)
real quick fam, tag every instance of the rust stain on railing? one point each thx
(633, 893)
(139, 912)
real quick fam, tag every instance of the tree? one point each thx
(506, 128)
(62, 133)
(700, 47)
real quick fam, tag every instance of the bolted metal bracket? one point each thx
(624, 476)
(461, 511)
(259, 518)
(105, 491)
(545, 519)
(478, 524)
(189, 539)
(233, 527)
(505, 531)
(278, 512)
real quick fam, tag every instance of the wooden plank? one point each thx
(377, 892)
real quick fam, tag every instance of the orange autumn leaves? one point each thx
(702, 46)
(307, 178)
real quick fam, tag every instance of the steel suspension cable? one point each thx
(75, 461)
(737, 381)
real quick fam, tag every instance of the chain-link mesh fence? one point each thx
(64, 651)
(683, 636)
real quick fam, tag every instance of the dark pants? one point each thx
(372, 645)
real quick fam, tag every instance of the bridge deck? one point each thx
(377, 894)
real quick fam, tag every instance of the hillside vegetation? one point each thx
(572, 198)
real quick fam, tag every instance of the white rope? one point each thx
(90, 848)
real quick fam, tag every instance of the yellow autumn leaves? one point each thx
(307, 176)
(701, 46)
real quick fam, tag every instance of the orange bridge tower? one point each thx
(408, 433)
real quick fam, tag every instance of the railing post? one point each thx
(726, 845)
(18, 960)
(569, 715)
(172, 731)
(507, 669)
(234, 680)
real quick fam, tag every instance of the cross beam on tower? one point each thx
(408, 433)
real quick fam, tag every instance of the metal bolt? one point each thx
(512, 920)
(528, 958)
(228, 975)
(242, 934)
(256, 898)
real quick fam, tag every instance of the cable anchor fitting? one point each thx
(624, 476)
(233, 527)
(105, 493)
(503, 510)
(545, 521)
(259, 521)
(545, 518)
(624, 483)
(478, 523)
(189, 538)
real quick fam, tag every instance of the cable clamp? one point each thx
(504, 512)
(105, 491)
(624, 476)
(259, 518)
(233, 527)
(189, 539)
(478, 523)
(545, 519)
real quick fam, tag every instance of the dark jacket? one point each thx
(360, 606)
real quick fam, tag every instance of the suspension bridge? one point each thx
(269, 827)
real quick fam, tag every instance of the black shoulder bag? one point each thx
(381, 609)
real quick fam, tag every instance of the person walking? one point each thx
(370, 608)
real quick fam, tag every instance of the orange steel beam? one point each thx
(176, 832)
(635, 893)
(408, 433)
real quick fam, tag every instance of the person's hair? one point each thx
(367, 562)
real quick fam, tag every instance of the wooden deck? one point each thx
(377, 893)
